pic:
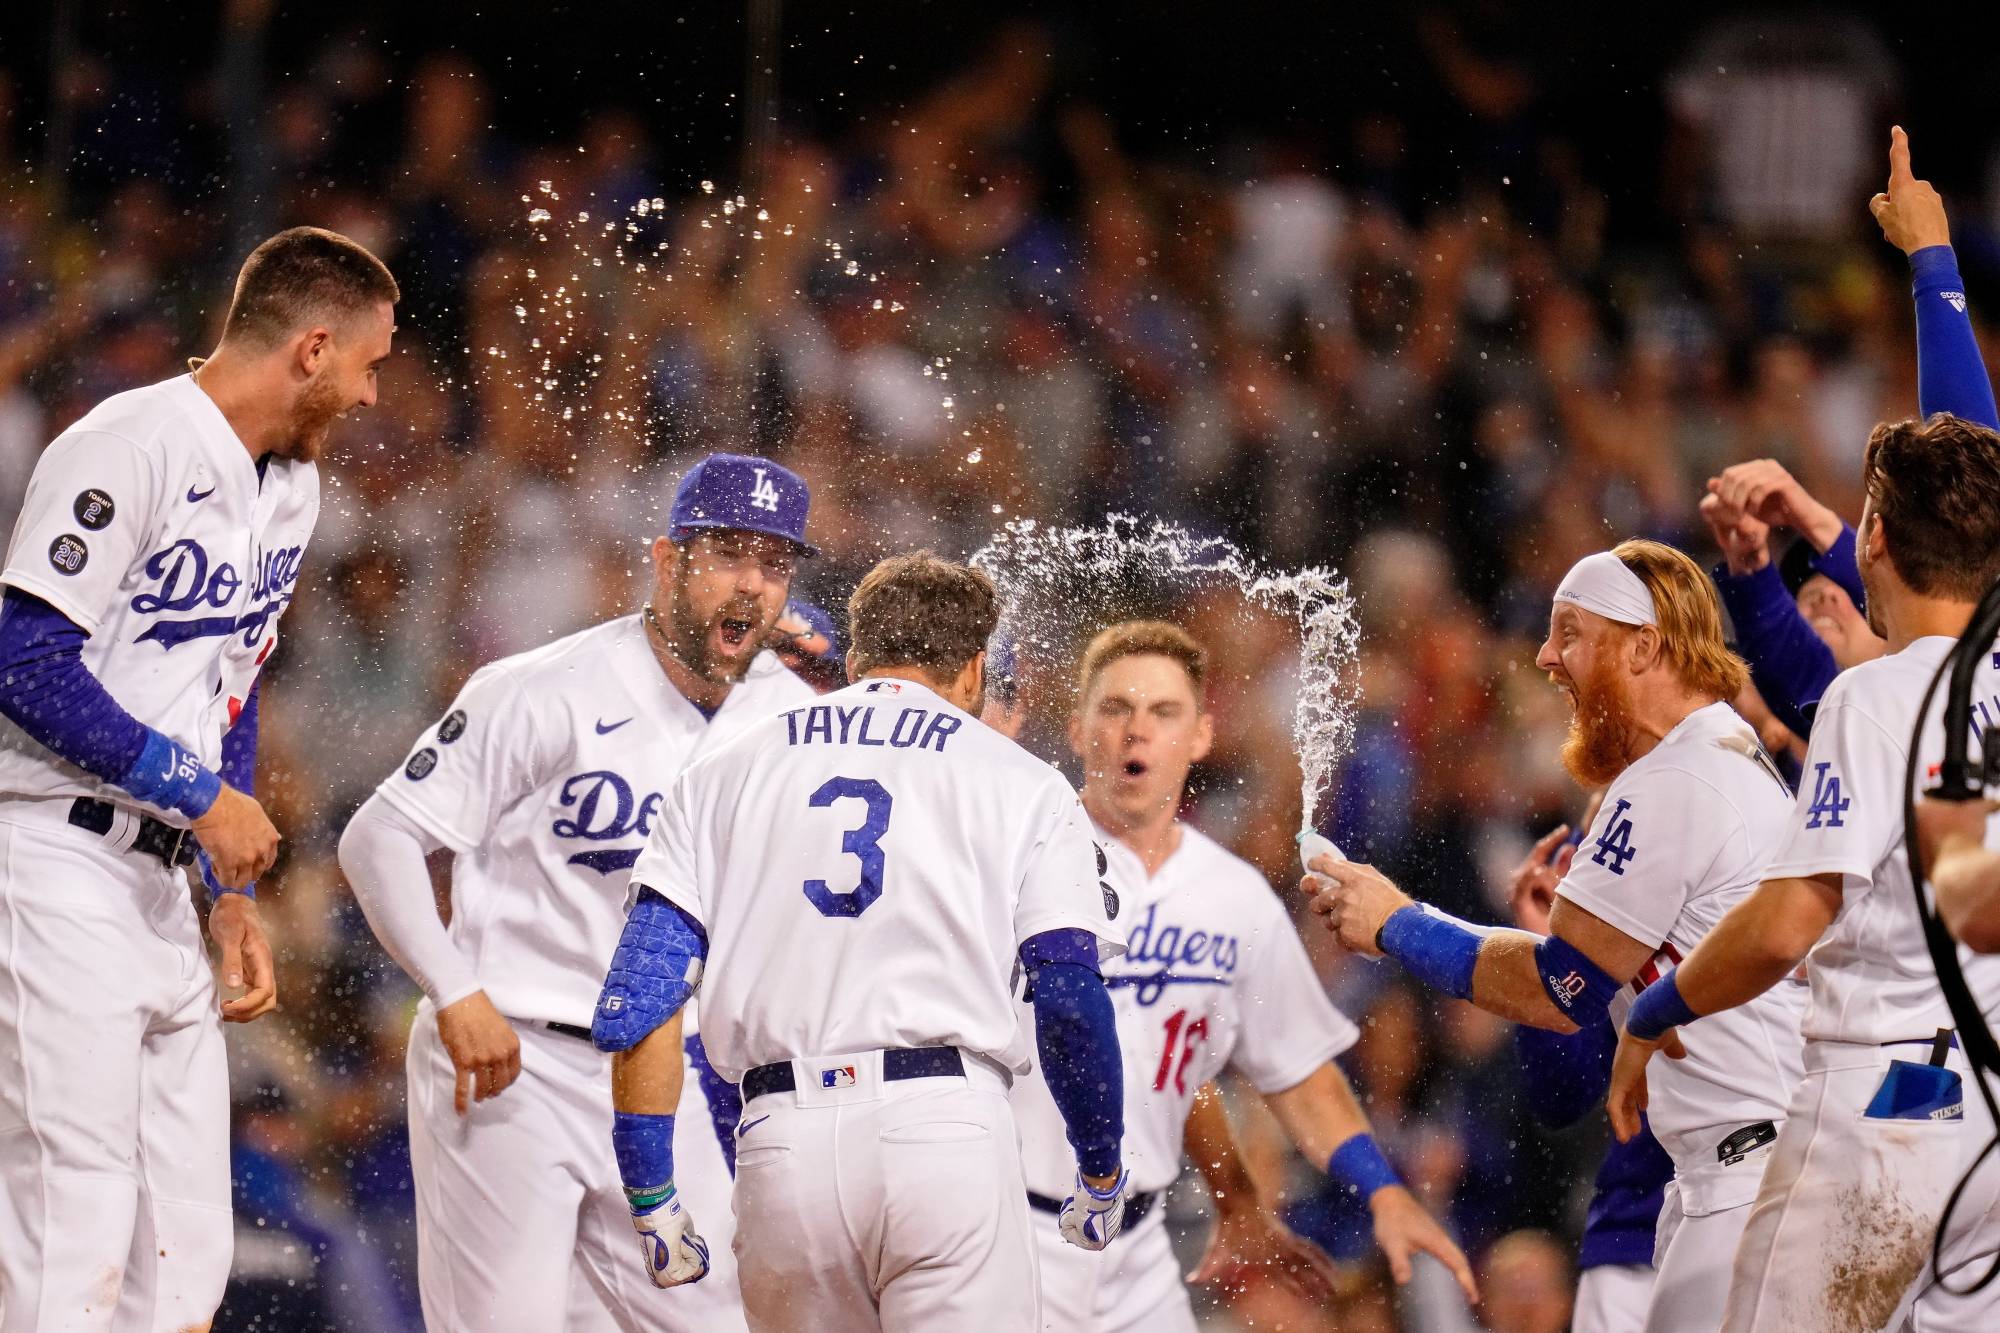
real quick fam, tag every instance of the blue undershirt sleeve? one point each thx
(1790, 665)
(1950, 375)
(1569, 1073)
(1076, 1035)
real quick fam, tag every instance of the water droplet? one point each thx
(708, 187)
(538, 215)
(947, 404)
(853, 267)
(974, 456)
(520, 312)
(763, 215)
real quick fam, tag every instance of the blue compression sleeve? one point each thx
(47, 691)
(1658, 1008)
(1436, 949)
(1076, 1035)
(644, 1147)
(1569, 1072)
(1950, 376)
(1791, 665)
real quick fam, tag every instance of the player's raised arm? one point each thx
(1951, 377)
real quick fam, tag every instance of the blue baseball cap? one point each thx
(743, 493)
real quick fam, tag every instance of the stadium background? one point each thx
(1446, 297)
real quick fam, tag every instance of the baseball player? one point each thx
(857, 883)
(1881, 1127)
(1213, 975)
(158, 544)
(1689, 820)
(544, 780)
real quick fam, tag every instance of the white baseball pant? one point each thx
(1132, 1285)
(1840, 1236)
(883, 1205)
(1612, 1298)
(114, 1087)
(1691, 1263)
(521, 1219)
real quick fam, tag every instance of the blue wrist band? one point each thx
(1438, 950)
(1575, 985)
(1658, 1008)
(168, 775)
(1360, 1165)
(644, 1147)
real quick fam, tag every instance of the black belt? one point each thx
(174, 846)
(570, 1030)
(897, 1063)
(1742, 1142)
(1136, 1205)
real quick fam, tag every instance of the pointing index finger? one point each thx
(1899, 158)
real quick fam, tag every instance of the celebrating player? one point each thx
(1691, 816)
(1213, 975)
(157, 546)
(543, 781)
(854, 883)
(1880, 1128)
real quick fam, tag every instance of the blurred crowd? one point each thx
(982, 306)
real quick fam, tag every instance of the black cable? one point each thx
(1957, 782)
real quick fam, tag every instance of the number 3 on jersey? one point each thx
(864, 844)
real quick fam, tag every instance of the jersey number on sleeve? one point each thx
(1197, 1031)
(864, 844)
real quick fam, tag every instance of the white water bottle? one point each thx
(1312, 845)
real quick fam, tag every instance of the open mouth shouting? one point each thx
(734, 633)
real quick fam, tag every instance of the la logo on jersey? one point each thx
(840, 1076)
(764, 495)
(1828, 805)
(1614, 845)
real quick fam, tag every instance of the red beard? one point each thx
(1602, 736)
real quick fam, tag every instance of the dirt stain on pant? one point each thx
(1880, 1248)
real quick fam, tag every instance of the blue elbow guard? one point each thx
(654, 973)
(1579, 987)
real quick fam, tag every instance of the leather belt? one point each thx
(172, 846)
(897, 1063)
(570, 1030)
(1136, 1206)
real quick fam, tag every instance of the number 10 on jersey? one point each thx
(863, 843)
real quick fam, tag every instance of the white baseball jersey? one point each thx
(1682, 836)
(545, 778)
(867, 867)
(1213, 975)
(149, 525)
(1872, 979)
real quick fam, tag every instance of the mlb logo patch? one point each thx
(885, 687)
(840, 1076)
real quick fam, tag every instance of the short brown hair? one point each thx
(1936, 489)
(1689, 615)
(920, 611)
(304, 276)
(1137, 638)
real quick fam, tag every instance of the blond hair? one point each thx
(1135, 638)
(1689, 616)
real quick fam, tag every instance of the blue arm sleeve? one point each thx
(1950, 375)
(1569, 1073)
(653, 973)
(47, 691)
(1076, 1035)
(1790, 664)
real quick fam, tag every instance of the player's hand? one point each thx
(238, 931)
(1626, 1101)
(1403, 1228)
(1763, 490)
(484, 1048)
(1910, 212)
(1093, 1215)
(1355, 899)
(1745, 542)
(238, 836)
(1533, 887)
(1956, 822)
(1250, 1241)
(675, 1255)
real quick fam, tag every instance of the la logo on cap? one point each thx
(764, 495)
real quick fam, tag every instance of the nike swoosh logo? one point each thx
(605, 729)
(749, 1125)
(196, 497)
